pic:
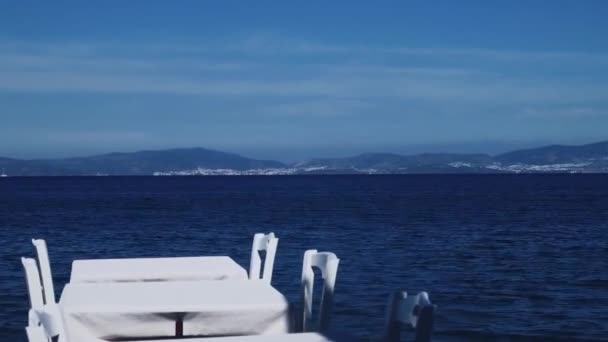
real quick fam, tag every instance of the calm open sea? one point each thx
(505, 257)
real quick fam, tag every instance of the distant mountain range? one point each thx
(591, 158)
(136, 163)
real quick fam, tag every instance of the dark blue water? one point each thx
(505, 257)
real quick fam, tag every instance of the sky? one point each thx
(295, 80)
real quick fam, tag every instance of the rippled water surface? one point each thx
(505, 257)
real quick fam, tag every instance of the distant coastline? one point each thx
(590, 158)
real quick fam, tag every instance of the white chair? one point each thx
(39, 311)
(34, 288)
(327, 263)
(416, 311)
(45, 270)
(263, 242)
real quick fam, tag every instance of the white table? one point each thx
(297, 337)
(162, 309)
(156, 269)
(301, 337)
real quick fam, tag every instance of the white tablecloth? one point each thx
(299, 337)
(302, 337)
(151, 309)
(156, 269)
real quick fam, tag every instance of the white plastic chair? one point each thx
(327, 263)
(32, 280)
(39, 311)
(263, 242)
(45, 270)
(416, 311)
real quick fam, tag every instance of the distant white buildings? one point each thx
(227, 172)
(460, 166)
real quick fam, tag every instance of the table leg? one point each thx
(179, 327)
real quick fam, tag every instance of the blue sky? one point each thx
(286, 80)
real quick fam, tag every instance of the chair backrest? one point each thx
(327, 263)
(45, 270)
(263, 242)
(416, 311)
(32, 280)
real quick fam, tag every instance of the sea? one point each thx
(504, 257)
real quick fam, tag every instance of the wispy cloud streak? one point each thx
(269, 67)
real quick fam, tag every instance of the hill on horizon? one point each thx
(183, 161)
(135, 163)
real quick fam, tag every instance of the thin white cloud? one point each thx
(97, 137)
(495, 90)
(272, 44)
(269, 44)
(567, 112)
(317, 107)
(15, 61)
(204, 69)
